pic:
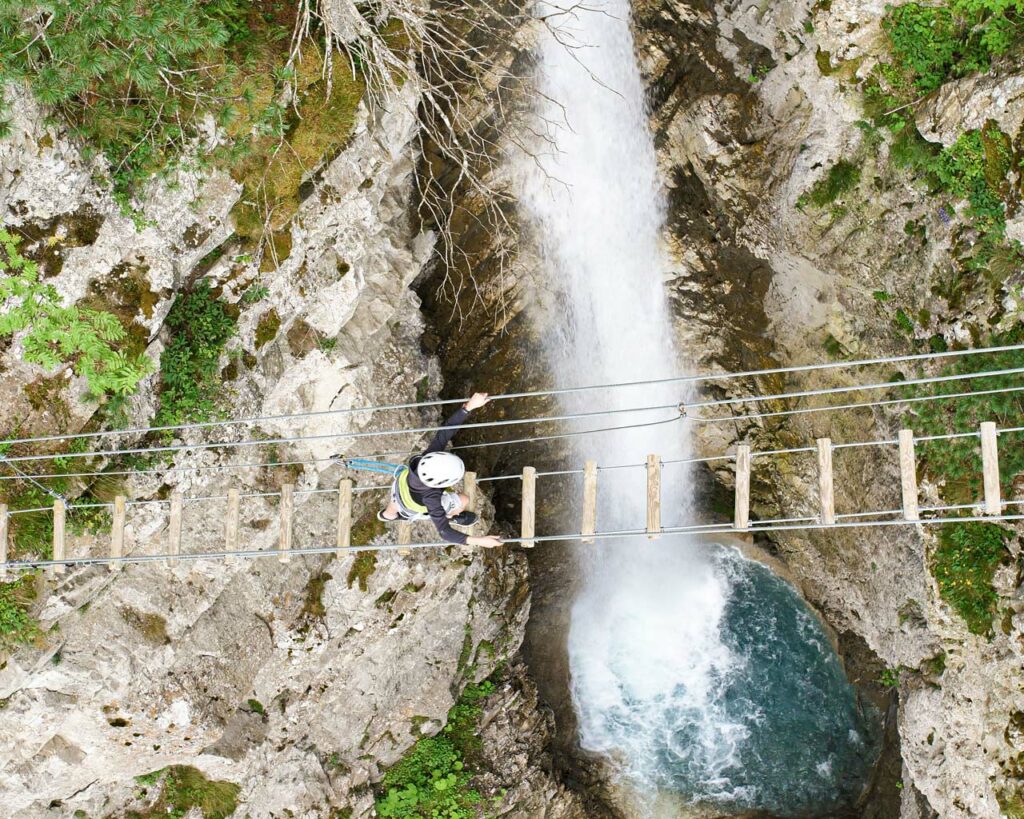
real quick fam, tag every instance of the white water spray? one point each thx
(644, 643)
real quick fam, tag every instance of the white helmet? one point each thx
(440, 469)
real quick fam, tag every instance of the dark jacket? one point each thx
(430, 496)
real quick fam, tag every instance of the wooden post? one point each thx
(174, 524)
(470, 488)
(3, 540)
(990, 468)
(653, 496)
(59, 514)
(908, 475)
(287, 510)
(117, 532)
(826, 496)
(529, 522)
(589, 526)
(231, 526)
(404, 537)
(741, 512)
(344, 514)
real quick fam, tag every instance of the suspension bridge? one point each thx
(22, 454)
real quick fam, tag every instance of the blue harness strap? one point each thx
(367, 465)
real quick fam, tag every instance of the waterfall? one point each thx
(659, 674)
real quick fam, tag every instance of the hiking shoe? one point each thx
(465, 519)
(380, 516)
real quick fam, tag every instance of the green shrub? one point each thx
(189, 366)
(934, 42)
(89, 340)
(16, 623)
(957, 461)
(975, 168)
(133, 80)
(841, 178)
(964, 563)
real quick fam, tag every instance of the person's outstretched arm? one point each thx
(451, 426)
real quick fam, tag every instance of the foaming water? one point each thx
(688, 663)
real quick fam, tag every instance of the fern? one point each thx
(56, 335)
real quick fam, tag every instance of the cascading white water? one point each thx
(656, 677)
(599, 212)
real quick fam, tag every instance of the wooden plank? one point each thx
(344, 514)
(908, 475)
(174, 524)
(287, 513)
(528, 529)
(589, 525)
(470, 488)
(4, 520)
(826, 495)
(231, 526)
(990, 468)
(117, 531)
(404, 536)
(653, 496)
(741, 511)
(59, 542)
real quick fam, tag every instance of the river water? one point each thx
(702, 676)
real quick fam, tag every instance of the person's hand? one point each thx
(485, 542)
(477, 401)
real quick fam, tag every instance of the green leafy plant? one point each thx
(87, 340)
(200, 325)
(435, 778)
(890, 677)
(964, 564)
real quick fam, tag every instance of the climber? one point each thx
(421, 489)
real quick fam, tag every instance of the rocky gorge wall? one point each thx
(295, 685)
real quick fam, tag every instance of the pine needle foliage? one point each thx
(134, 80)
(89, 340)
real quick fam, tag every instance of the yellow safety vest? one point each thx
(405, 493)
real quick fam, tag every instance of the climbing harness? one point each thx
(400, 472)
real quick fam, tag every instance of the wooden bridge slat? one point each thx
(469, 486)
(287, 513)
(344, 514)
(990, 468)
(59, 540)
(174, 524)
(231, 526)
(653, 496)
(4, 519)
(908, 475)
(404, 536)
(529, 514)
(117, 531)
(826, 494)
(588, 526)
(741, 511)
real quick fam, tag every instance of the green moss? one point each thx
(256, 707)
(361, 569)
(841, 178)
(294, 143)
(964, 564)
(184, 788)
(313, 608)
(151, 626)
(266, 329)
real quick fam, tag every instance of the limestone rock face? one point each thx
(752, 105)
(300, 681)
